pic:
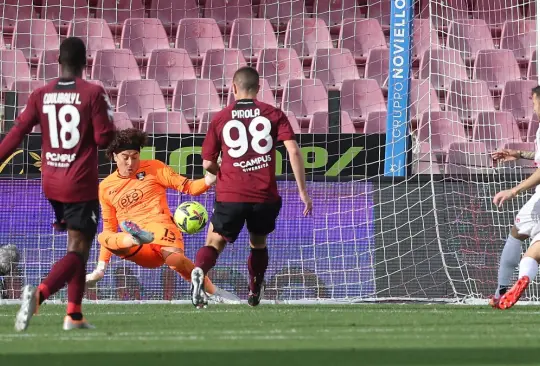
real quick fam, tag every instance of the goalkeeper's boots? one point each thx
(70, 324)
(139, 235)
(198, 295)
(510, 298)
(29, 307)
(256, 296)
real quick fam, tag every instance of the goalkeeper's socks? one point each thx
(206, 258)
(528, 267)
(257, 264)
(510, 256)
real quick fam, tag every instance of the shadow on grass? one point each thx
(441, 356)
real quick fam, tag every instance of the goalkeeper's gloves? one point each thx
(94, 277)
(210, 179)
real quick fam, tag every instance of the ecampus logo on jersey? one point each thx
(254, 164)
(59, 160)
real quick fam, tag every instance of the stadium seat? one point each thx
(24, 88)
(520, 166)
(516, 99)
(220, 66)
(169, 65)
(332, 66)
(379, 10)
(361, 97)
(424, 36)
(496, 67)
(422, 98)
(2, 44)
(197, 36)
(265, 94)
(138, 98)
(166, 123)
(252, 35)
(532, 129)
(115, 66)
(97, 82)
(360, 36)
(377, 66)
(95, 33)
(333, 12)
(425, 161)
(225, 12)
(277, 65)
(318, 123)
(304, 98)
(441, 128)
(13, 67)
(142, 35)
(12, 10)
(520, 37)
(122, 121)
(467, 158)
(116, 12)
(280, 12)
(442, 13)
(32, 36)
(496, 12)
(467, 98)
(294, 122)
(495, 129)
(305, 35)
(469, 36)
(204, 122)
(62, 12)
(442, 66)
(48, 67)
(195, 97)
(170, 12)
(532, 71)
(375, 122)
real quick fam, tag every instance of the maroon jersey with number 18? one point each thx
(246, 133)
(75, 118)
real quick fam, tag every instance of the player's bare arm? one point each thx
(297, 164)
(508, 194)
(512, 155)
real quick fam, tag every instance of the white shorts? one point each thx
(528, 218)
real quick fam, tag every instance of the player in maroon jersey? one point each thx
(245, 134)
(75, 119)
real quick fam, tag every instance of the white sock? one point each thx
(510, 256)
(528, 267)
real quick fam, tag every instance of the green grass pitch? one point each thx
(277, 335)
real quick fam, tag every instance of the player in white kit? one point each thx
(527, 225)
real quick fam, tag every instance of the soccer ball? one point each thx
(191, 217)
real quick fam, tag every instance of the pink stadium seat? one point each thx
(2, 44)
(195, 97)
(442, 13)
(469, 36)
(318, 123)
(122, 121)
(422, 98)
(379, 10)
(168, 66)
(375, 122)
(377, 65)
(220, 66)
(516, 99)
(496, 12)
(142, 35)
(166, 123)
(495, 129)
(532, 129)
(252, 35)
(95, 33)
(204, 122)
(424, 37)
(280, 12)
(441, 67)
(32, 36)
(12, 10)
(520, 37)
(138, 98)
(277, 65)
(115, 66)
(333, 12)
(441, 128)
(197, 36)
(48, 67)
(360, 36)
(170, 12)
(304, 98)
(62, 12)
(225, 12)
(305, 35)
(265, 94)
(116, 12)
(333, 65)
(467, 98)
(522, 166)
(496, 67)
(467, 158)
(426, 161)
(24, 88)
(532, 71)
(13, 66)
(294, 122)
(361, 97)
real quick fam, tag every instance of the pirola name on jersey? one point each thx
(60, 160)
(61, 98)
(246, 113)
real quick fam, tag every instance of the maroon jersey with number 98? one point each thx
(246, 133)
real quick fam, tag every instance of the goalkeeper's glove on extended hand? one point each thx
(94, 277)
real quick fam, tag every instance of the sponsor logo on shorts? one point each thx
(131, 198)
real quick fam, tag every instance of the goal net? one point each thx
(396, 105)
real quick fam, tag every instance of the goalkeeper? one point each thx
(135, 196)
